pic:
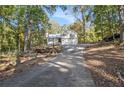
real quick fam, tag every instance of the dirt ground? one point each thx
(7, 70)
(64, 70)
(104, 63)
(27, 60)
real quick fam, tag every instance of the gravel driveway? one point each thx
(65, 70)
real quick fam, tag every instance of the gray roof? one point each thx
(55, 36)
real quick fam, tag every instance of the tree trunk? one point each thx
(119, 13)
(102, 34)
(111, 24)
(26, 39)
(122, 34)
(121, 23)
(1, 41)
(18, 49)
(84, 31)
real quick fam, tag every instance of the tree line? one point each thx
(22, 27)
(98, 22)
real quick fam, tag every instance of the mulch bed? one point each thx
(104, 63)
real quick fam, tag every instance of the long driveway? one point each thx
(65, 70)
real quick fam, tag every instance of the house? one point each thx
(68, 37)
(54, 39)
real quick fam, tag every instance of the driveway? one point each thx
(65, 70)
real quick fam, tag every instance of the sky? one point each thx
(62, 18)
(66, 17)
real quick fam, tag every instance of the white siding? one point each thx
(69, 38)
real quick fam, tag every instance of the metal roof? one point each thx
(55, 36)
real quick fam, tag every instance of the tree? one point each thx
(85, 12)
(107, 20)
(21, 20)
(54, 27)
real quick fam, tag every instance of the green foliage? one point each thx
(54, 27)
(17, 35)
(104, 21)
(107, 20)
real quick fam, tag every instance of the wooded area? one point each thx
(23, 28)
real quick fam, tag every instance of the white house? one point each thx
(68, 37)
(54, 39)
